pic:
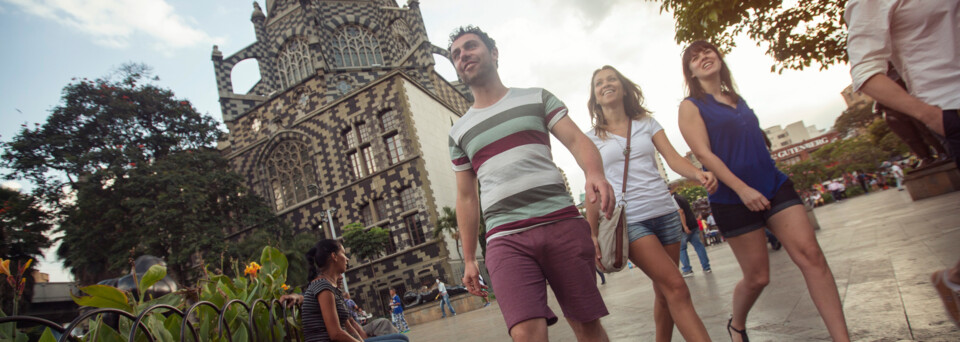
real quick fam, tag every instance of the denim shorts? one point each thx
(667, 228)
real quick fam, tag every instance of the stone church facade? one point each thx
(349, 114)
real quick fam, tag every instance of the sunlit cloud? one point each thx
(117, 23)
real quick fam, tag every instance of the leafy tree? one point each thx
(805, 173)
(689, 189)
(23, 225)
(796, 33)
(888, 142)
(848, 155)
(23, 228)
(130, 169)
(447, 223)
(365, 243)
(855, 119)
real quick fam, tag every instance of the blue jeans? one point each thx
(389, 338)
(446, 300)
(694, 239)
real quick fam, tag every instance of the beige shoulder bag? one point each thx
(612, 233)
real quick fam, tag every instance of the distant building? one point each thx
(798, 152)
(349, 114)
(854, 98)
(40, 277)
(794, 133)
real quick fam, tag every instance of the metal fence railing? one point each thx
(187, 327)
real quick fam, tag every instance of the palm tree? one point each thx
(448, 223)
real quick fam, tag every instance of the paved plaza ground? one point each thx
(882, 248)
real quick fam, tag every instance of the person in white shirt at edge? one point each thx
(921, 38)
(898, 175)
(654, 225)
(445, 299)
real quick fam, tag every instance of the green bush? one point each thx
(264, 280)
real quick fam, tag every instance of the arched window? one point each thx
(291, 175)
(294, 63)
(402, 32)
(356, 47)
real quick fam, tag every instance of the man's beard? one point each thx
(482, 72)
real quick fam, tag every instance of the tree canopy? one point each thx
(797, 34)
(23, 226)
(130, 169)
(855, 119)
(365, 243)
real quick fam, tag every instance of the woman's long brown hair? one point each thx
(632, 102)
(694, 89)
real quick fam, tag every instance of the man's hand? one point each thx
(708, 180)
(598, 187)
(471, 278)
(596, 248)
(686, 229)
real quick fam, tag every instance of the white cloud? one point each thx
(115, 23)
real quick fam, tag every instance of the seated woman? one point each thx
(325, 316)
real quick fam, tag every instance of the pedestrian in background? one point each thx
(445, 299)
(691, 235)
(399, 320)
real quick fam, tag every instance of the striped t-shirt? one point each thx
(508, 146)
(314, 329)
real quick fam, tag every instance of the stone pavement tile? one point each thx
(881, 247)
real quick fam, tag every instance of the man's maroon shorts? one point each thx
(560, 253)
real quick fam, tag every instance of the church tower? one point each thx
(348, 124)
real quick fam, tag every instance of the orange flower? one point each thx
(285, 287)
(5, 267)
(252, 269)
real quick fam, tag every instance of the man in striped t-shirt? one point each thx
(535, 233)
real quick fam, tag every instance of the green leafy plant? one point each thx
(261, 282)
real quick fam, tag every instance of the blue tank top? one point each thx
(736, 138)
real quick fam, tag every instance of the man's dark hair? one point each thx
(462, 30)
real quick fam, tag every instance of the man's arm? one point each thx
(588, 157)
(890, 94)
(870, 50)
(468, 220)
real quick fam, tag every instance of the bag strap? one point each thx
(626, 160)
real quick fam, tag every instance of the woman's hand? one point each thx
(708, 180)
(753, 199)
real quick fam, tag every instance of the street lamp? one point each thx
(328, 213)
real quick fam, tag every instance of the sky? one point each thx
(554, 44)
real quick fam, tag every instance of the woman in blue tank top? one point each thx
(725, 135)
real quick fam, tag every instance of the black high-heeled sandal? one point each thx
(743, 333)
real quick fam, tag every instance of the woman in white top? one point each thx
(653, 223)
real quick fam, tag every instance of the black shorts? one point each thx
(737, 219)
